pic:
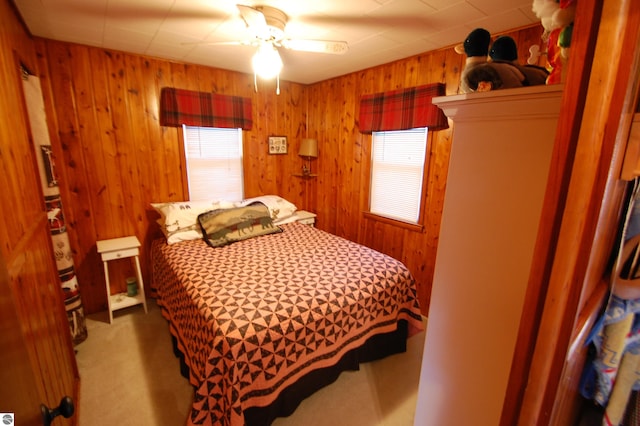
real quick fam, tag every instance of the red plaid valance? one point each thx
(178, 107)
(402, 109)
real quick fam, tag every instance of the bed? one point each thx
(262, 323)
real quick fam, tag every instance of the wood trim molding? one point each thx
(586, 25)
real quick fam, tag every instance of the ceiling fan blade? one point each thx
(219, 43)
(252, 17)
(317, 46)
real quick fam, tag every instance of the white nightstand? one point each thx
(121, 248)
(306, 217)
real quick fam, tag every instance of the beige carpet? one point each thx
(129, 376)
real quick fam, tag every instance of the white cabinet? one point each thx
(500, 158)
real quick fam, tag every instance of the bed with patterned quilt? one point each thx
(262, 322)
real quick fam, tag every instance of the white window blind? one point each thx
(397, 170)
(214, 163)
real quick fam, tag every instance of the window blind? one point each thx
(397, 171)
(214, 163)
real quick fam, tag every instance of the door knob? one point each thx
(66, 409)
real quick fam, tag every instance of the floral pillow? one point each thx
(279, 208)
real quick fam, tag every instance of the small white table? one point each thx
(121, 248)
(305, 217)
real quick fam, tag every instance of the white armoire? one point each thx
(500, 157)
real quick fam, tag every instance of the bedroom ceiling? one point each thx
(377, 31)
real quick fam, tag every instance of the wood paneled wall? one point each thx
(341, 192)
(114, 158)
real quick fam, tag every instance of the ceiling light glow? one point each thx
(267, 62)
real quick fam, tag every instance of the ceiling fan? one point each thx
(267, 26)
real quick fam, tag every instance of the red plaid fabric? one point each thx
(402, 109)
(202, 109)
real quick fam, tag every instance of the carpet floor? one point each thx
(129, 376)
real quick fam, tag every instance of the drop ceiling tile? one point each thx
(375, 43)
(455, 15)
(450, 37)
(528, 11)
(177, 40)
(442, 4)
(140, 25)
(344, 8)
(407, 34)
(80, 34)
(491, 7)
(403, 9)
(376, 30)
(187, 28)
(121, 39)
(509, 19)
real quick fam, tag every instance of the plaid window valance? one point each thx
(202, 109)
(402, 109)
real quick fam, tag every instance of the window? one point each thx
(214, 163)
(397, 169)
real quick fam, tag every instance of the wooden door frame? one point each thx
(582, 210)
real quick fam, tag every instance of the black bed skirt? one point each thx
(377, 347)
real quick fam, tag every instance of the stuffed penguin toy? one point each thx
(501, 75)
(476, 47)
(504, 51)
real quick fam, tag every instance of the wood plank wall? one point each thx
(345, 154)
(114, 158)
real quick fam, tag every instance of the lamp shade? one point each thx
(308, 148)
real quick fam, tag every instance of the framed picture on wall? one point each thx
(277, 144)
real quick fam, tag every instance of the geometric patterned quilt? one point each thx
(254, 316)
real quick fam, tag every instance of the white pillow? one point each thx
(179, 220)
(279, 208)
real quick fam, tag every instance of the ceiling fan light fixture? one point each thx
(266, 61)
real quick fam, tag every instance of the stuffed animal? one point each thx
(557, 18)
(499, 75)
(504, 50)
(476, 47)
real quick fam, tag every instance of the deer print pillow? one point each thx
(225, 226)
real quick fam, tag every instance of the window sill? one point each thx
(406, 225)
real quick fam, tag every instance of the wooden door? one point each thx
(586, 204)
(35, 333)
(17, 397)
(37, 362)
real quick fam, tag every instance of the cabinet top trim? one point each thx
(535, 102)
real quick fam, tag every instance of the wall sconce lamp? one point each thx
(308, 150)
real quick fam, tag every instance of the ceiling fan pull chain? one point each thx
(255, 82)
(278, 84)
